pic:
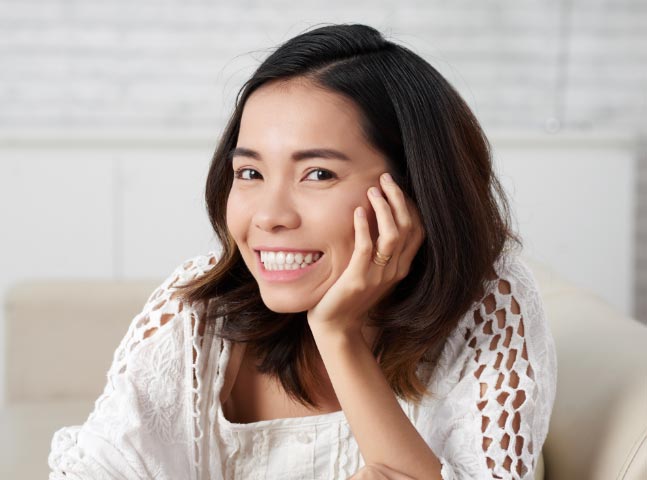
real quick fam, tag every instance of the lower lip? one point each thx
(284, 275)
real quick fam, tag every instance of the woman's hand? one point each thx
(345, 305)
(377, 471)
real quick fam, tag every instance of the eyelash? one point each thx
(238, 173)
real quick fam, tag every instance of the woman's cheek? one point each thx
(230, 213)
(235, 211)
(238, 201)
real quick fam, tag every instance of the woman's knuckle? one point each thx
(390, 243)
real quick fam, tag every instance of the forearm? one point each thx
(382, 430)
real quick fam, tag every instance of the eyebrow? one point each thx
(327, 153)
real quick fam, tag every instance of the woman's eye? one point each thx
(323, 174)
(241, 173)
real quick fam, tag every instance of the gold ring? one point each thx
(381, 259)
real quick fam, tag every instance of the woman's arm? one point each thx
(382, 430)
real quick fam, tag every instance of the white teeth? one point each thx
(287, 260)
(290, 266)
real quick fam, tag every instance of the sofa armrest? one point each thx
(26, 432)
(599, 421)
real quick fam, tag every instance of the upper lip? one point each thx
(284, 249)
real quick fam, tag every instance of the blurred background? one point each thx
(110, 112)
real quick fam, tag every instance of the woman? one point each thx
(368, 316)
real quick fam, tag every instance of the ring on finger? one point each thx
(381, 259)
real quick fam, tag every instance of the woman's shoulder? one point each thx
(511, 267)
(509, 321)
(504, 333)
(508, 296)
(508, 315)
(189, 269)
(167, 295)
(165, 313)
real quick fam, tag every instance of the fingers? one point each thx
(400, 229)
(397, 200)
(363, 242)
(389, 235)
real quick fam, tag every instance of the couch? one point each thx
(61, 335)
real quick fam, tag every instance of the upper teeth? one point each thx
(288, 260)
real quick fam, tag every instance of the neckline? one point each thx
(286, 422)
(277, 423)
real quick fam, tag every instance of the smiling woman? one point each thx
(287, 198)
(369, 315)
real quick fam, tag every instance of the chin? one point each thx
(280, 304)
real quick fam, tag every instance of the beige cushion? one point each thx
(61, 335)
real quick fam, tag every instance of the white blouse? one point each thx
(160, 417)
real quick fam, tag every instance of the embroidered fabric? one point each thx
(159, 415)
(495, 383)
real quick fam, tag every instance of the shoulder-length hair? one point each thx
(439, 156)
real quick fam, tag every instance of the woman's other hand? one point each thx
(345, 305)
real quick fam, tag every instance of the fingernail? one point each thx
(360, 212)
(387, 178)
(374, 191)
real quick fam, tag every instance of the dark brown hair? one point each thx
(440, 157)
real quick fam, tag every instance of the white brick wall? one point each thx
(175, 64)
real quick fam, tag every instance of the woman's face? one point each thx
(299, 203)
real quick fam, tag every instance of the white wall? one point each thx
(87, 210)
(141, 64)
(574, 198)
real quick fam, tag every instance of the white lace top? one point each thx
(159, 415)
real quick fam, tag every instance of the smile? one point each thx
(287, 260)
(286, 266)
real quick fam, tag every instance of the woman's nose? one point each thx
(275, 210)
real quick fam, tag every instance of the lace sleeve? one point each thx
(493, 422)
(139, 428)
